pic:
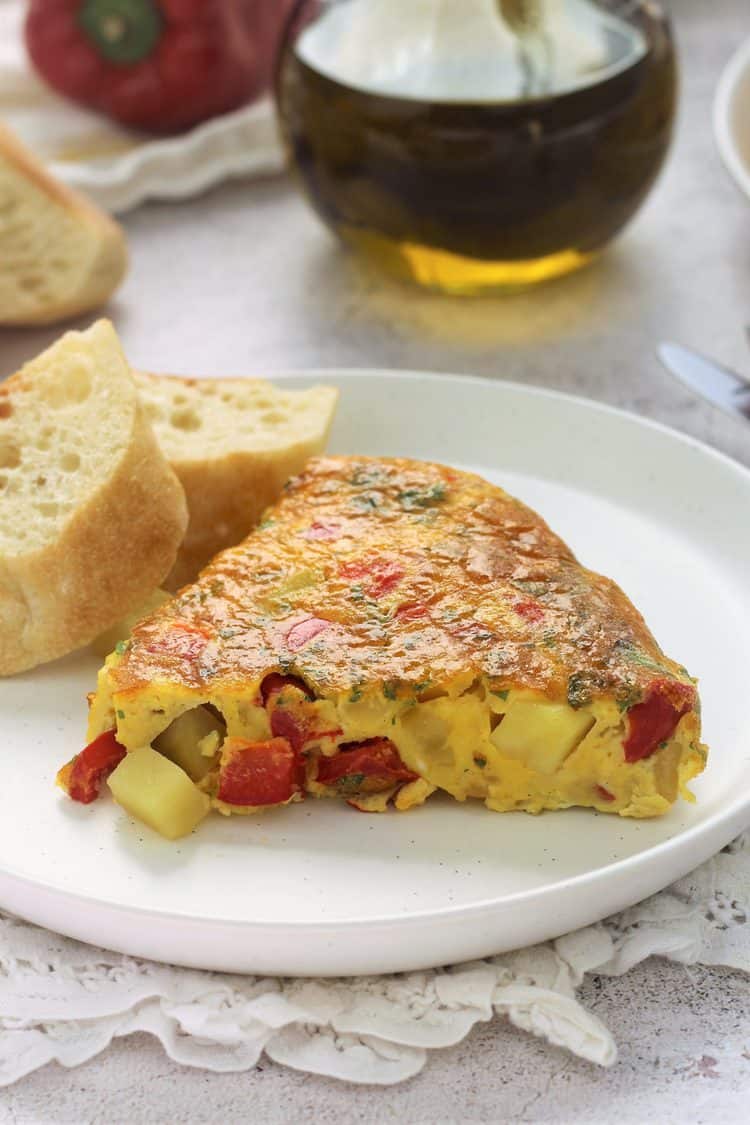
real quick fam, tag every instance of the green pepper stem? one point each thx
(122, 31)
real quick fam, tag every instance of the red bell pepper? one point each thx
(258, 773)
(529, 610)
(377, 577)
(83, 778)
(370, 765)
(158, 65)
(654, 719)
(292, 724)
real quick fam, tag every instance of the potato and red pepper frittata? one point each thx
(393, 627)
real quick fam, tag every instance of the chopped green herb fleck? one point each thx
(480, 760)
(422, 686)
(366, 501)
(226, 634)
(389, 691)
(581, 687)
(536, 589)
(663, 745)
(356, 695)
(635, 656)
(121, 647)
(422, 497)
(628, 695)
(501, 694)
(365, 478)
(120, 714)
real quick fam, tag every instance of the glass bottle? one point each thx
(477, 145)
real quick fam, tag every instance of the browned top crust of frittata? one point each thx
(399, 573)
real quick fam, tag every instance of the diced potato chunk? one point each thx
(540, 733)
(156, 791)
(186, 739)
(107, 641)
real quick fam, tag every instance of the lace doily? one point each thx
(65, 1001)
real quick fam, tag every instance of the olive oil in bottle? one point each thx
(478, 145)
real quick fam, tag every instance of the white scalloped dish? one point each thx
(242, 143)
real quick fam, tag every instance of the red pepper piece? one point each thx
(376, 761)
(604, 794)
(529, 610)
(258, 773)
(284, 723)
(654, 719)
(84, 776)
(382, 575)
(160, 65)
(303, 631)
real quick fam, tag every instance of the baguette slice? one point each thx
(233, 443)
(91, 515)
(59, 255)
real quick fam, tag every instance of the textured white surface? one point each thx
(65, 1002)
(245, 280)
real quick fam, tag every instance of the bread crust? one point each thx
(111, 554)
(105, 269)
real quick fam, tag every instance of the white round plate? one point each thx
(321, 889)
(732, 117)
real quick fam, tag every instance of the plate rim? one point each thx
(733, 71)
(721, 826)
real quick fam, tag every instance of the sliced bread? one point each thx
(232, 443)
(91, 515)
(59, 255)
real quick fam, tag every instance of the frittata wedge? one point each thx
(392, 628)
